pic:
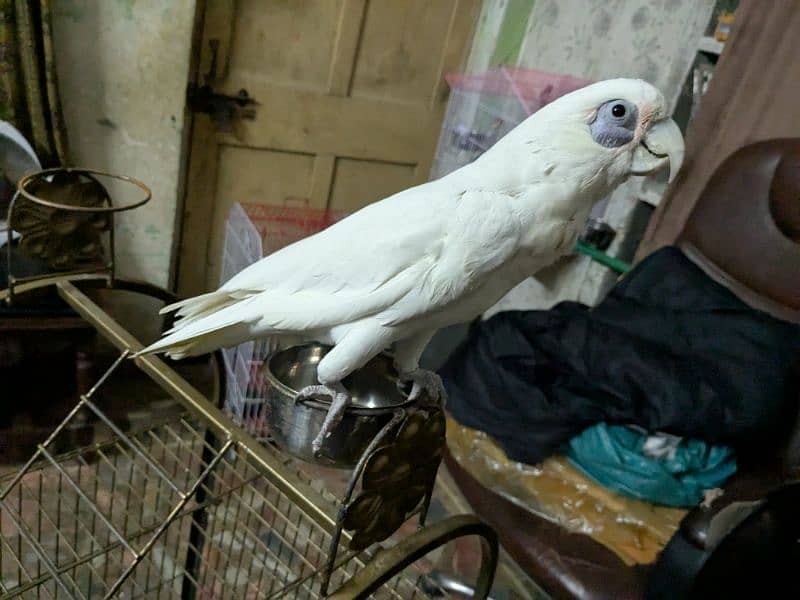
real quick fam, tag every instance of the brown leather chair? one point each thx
(744, 233)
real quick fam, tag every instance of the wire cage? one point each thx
(118, 508)
(194, 507)
(65, 217)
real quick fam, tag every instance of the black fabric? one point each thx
(668, 349)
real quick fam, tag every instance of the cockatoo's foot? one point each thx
(426, 381)
(340, 398)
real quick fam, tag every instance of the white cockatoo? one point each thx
(396, 271)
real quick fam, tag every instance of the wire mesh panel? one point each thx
(241, 248)
(179, 514)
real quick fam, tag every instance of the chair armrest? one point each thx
(388, 563)
(706, 525)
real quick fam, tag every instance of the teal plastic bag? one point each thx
(664, 470)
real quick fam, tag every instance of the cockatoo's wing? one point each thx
(482, 235)
(401, 258)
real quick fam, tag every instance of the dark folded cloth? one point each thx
(668, 349)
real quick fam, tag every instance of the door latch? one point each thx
(222, 108)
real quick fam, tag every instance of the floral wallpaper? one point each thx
(655, 40)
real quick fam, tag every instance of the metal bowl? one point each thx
(293, 424)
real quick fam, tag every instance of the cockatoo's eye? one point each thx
(614, 123)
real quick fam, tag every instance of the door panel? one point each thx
(351, 96)
(279, 175)
(284, 42)
(400, 45)
(359, 182)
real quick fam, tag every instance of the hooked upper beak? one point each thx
(661, 145)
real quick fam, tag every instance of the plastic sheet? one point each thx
(532, 88)
(634, 530)
(483, 107)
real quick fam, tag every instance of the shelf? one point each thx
(651, 197)
(711, 45)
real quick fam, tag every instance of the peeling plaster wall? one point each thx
(123, 68)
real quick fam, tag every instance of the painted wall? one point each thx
(123, 68)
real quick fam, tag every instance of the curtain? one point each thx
(754, 96)
(28, 85)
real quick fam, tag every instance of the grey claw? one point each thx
(340, 398)
(425, 381)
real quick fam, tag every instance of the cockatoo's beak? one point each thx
(662, 144)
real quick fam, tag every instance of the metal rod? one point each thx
(247, 527)
(23, 471)
(61, 536)
(76, 512)
(199, 529)
(94, 521)
(236, 520)
(206, 454)
(138, 556)
(9, 245)
(114, 472)
(24, 532)
(298, 582)
(398, 416)
(41, 579)
(25, 181)
(107, 374)
(80, 560)
(20, 569)
(158, 500)
(166, 452)
(85, 498)
(112, 486)
(272, 529)
(58, 521)
(130, 443)
(194, 552)
(129, 487)
(19, 510)
(38, 520)
(306, 499)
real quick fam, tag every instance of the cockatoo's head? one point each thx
(604, 132)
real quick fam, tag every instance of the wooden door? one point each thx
(351, 96)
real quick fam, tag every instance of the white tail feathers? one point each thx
(199, 318)
(179, 345)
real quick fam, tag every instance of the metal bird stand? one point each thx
(193, 506)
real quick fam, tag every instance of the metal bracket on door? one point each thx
(221, 107)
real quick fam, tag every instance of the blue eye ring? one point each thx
(614, 123)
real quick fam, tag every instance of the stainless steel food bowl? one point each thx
(293, 424)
